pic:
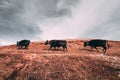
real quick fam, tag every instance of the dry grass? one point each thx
(78, 63)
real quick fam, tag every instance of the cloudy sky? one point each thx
(58, 19)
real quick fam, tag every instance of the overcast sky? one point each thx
(58, 19)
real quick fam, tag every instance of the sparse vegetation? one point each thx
(78, 63)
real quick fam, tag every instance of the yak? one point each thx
(57, 43)
(97, 43)
(23, 43)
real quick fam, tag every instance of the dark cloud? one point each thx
(18, 18)
(10, 20)
(28, 19)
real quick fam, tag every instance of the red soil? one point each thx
(78, 63)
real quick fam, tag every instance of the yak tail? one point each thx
(107, 45)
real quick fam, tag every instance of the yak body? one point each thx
(57, 43)
(23, 43)
(97, 43)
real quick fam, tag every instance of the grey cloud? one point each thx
(21, 19)
(18, 17)
(108, 30)
(108, 22)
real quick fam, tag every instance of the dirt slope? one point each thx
(78, 63)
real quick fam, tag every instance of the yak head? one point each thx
(86, 43)
(46, 42)
(17, 43)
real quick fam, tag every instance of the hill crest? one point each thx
(78, 63)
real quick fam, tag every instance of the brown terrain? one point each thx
(78, 63)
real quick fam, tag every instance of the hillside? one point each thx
(78, 63)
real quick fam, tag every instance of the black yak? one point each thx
(97, 43)
(23, 43)
(57, 43)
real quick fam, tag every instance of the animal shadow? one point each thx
(58, 49)
(88, 50)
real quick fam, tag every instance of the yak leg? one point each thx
(96, 48)
(54, 47)
(104, 49)
(20, 47)
(91, 48)
(50, 47)
(26, 47)
(64, 47)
